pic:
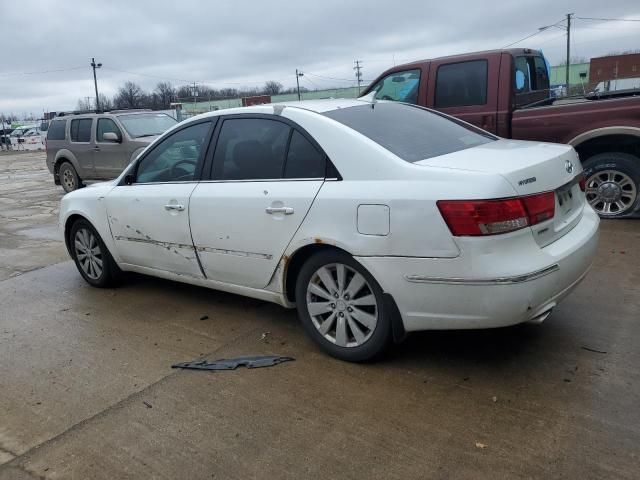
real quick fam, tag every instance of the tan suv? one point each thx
(98, 146)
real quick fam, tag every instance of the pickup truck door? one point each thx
(466, 89)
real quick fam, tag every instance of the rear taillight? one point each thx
(491, 217)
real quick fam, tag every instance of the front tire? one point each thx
(341, 307)
(69, 178)
(93, 260)
(613, 184)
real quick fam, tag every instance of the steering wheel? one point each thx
(177, 172)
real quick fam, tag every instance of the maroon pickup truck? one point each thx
(507, 92)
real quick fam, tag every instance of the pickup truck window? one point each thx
(530, 76)
(399, 86)
(411, 133)
(461, 84)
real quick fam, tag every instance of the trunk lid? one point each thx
(530, 167)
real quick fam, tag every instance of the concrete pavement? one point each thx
(86, 388)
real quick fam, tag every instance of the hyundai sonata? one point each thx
(373, 219)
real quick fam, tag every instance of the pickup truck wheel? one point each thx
(613, 183)
(69, 178)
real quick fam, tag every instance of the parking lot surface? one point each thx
(86, 388)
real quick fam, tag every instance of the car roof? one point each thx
(318, 106)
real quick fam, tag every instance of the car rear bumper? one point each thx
(497, 286)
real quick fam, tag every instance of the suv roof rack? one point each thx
(84, 112)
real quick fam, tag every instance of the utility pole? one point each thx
(195, 98)
(298, 75)
(95, 65)
(568, 49)
(358, 69)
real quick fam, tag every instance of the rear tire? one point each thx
(93, 260)
(613, 184)
(69, 178)
(341, 307)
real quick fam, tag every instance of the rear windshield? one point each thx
(146, 124)
(412, 133)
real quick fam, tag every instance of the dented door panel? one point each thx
(241, 229)
(150, 226)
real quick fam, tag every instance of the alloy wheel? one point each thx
(611, 192)
(342, 305)
(88, 253)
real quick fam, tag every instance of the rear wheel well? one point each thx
(295, 263)
(60, 161)
(609, 143)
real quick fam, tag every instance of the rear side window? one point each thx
(411, 133)
(81, 130)
(56, 130)
(461, 84)
(303, 159)
(399, 86)
(250, 149)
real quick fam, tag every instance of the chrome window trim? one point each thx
(262, 180)
(527, 277)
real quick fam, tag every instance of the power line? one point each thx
(42, 71)
(609, 19)
(534, 34)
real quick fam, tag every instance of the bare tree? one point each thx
(272, 88)
(130, 96)
(84, 104)
(164, 95)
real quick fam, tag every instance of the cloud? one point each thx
(244, 43)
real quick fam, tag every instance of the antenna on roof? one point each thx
(370, 98)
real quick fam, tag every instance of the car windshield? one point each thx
(412, 133)
(146, 124)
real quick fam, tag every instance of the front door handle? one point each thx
(96, 149)
(175, 207)
(285, 210)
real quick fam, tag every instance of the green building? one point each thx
(578, 73)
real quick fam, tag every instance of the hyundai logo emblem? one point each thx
(568, 166)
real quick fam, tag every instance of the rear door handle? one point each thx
(285, 210)
(178, 208)
(96, 149)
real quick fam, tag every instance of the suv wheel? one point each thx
(613, 183)
(69, 178)
(341, 307)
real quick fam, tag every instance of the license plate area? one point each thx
(565, 196)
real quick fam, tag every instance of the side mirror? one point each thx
(129, 179)
(111, 137)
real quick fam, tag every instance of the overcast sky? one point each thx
(244, 43)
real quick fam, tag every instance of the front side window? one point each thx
(56, 130)
(140, 125)
(250, 149)
(461, 84)
(106, 125)
(81, 130)
(399, 86)
(175, 158)
(411, 133)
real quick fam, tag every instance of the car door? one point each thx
(266, 174)
(108, 155)
(82, 145)
(149, 213)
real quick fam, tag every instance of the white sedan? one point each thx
(373, 219)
